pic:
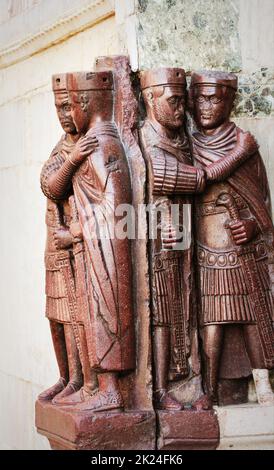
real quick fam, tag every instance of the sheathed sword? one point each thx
(254, 286)
(82, 289)
(64, 264)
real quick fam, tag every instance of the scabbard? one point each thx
(258, 300)
(64, 263)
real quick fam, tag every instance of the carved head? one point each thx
(91, 98)
(211, 95)
(164, 95)
(62, 104)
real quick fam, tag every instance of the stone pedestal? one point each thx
(69, 430)
(187, 429)
(246, 427)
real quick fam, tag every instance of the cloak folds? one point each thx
(100, 185)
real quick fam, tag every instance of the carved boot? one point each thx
(70, 389)
(58, 340)
(50, 393)
(75, 370)
(81, 393)
(108, 397)
(76, 398)
(161, 356)
(102, 401)
(163, 401)
(264, 392)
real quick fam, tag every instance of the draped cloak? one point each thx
(223, 291)
(100, 185)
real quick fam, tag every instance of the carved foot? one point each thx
(51, 392)
(264, 392)
(76, 398)
(163, 401)
(102, 401)
(203, 403)
(69, 390)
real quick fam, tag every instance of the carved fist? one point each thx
(62, 239)
(248, 142)
(243, 231)
(76, 231)
(83, 148)
(170, 237)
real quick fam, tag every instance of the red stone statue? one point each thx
(171, 180)
(234, 235)
(103, 277)
(58, 253)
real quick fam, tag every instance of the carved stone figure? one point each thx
(171, 179)
(103, 278)
(58, 256)
(234, 234)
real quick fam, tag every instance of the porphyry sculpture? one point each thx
(108, 288)
(58, 255)
(171, 180)
(234, 233)
(101, 184)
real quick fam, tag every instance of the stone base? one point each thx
(187, 429)
(246, 427)
(69, 430)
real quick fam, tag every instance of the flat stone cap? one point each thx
(214, 78)
(162, 76)
(88, 81)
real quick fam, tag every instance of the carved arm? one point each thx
(56, 177)
(245, 147)
(173, 177)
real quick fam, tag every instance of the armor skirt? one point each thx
(224, 292)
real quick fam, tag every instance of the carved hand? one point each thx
(83, 148)
(62, 239)
(76, 231)
(170, 237)
(243, 230)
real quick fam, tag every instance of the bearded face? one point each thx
(168, 106)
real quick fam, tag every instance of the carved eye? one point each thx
(215, 100)
(200, 99)
(172, 100)
(67, 107)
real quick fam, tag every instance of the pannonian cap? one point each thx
(214, 78)
(87, 81)
(162, 76)
(59, 82)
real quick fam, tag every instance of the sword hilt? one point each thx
(228, 201)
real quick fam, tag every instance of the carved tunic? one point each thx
(100, 184)
(57, 215)
(223, 284)
(171, 178)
